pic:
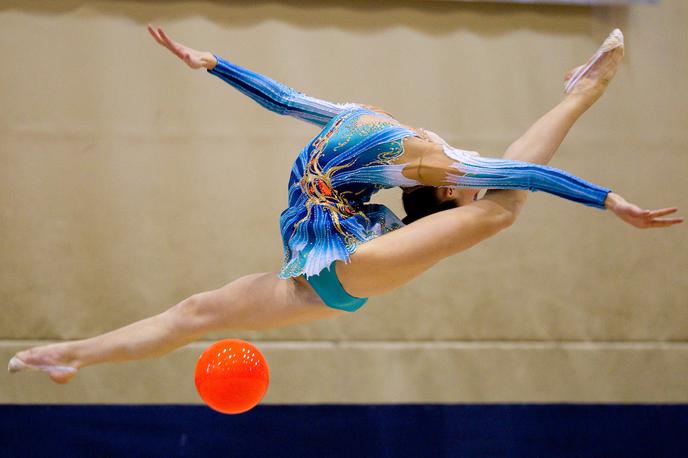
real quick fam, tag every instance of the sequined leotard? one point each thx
(335, 175)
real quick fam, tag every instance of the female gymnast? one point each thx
(338, 248)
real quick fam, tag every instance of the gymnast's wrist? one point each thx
(612, 200)
(208, 60)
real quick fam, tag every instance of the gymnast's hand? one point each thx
(191, 57)
(636, 216)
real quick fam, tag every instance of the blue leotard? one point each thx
(336, 173)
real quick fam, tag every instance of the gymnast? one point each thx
(339, 249)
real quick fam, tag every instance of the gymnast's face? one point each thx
(461, 196)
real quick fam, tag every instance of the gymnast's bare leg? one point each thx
(258, 301)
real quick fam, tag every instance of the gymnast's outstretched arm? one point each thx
(267, 92)
(445, 166)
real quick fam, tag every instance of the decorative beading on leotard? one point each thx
(331, 183)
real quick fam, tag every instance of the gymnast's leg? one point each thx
(252, 302)
(539, 143)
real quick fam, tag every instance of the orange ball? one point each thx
(232, 376)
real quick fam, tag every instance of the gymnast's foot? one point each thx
(51, 359)
(589, 81)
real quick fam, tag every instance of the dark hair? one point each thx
(422, 201)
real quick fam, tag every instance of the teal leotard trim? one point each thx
(331, 291)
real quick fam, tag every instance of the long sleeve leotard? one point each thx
(357, 152)
(275, 96)
(475, 172)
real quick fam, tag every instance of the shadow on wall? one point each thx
(428, 17)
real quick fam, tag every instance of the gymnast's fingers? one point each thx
(171, 45)
(664, 222)
(662, 212)
(164, 39)
(157, 38)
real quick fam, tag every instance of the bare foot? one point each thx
(51, 359)
(588, 82)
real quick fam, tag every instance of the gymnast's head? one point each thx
(421, 201)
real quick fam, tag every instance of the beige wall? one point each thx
(128, 182)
